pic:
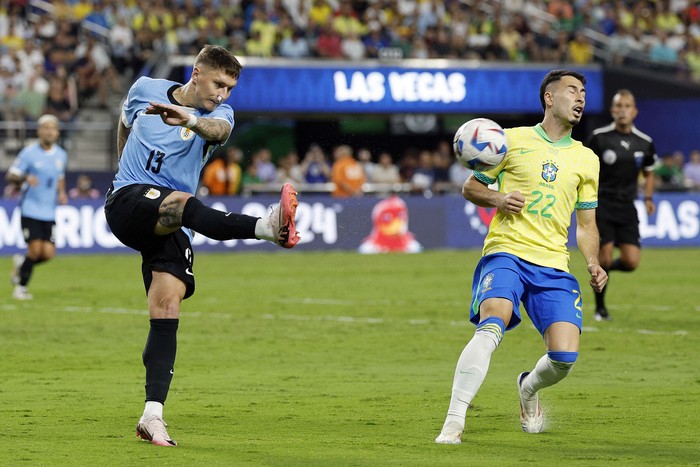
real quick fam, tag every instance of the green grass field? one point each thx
(299, 358)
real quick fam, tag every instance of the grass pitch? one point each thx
(299, 358)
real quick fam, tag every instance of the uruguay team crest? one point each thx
(549, 172)
(186, 133)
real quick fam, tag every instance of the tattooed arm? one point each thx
(211, 129)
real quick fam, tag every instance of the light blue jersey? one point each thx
(39, 201)
(160, 154)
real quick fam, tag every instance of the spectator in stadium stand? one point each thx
(375, 39)
(346, 173)
(669, 175)
(320, 14)
(164, 132)
(346, 21)
(40, 168)
(352, 47)
(288, 169)
(364, 157)
(441, 171)
(385, 171)
(223, 175)
(407, 164)
(661, 52)
(691, 58)
(328, 42)
(315, 166)
(458, 175)
(83, 188)
(691, 170)
(61, 101)
(580, 49)
(295, 46)
(424, 174)
(624, 152)
(521, 250)
(264, 167)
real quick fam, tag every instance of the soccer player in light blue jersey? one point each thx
(41, 169)
(166, 133)
(544, 178)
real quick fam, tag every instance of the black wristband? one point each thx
(648, 198)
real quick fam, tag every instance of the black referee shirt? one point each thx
(622, 158)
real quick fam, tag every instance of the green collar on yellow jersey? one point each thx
(563, 142)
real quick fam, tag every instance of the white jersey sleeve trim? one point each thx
(124, 120)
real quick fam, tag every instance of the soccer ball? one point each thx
(480, 144)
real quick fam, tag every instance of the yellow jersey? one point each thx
(555, 178)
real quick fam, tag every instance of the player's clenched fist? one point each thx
(512, 203)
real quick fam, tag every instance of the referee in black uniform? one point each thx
(624, 152)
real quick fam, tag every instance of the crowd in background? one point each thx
(423, 172)
(344, 172)
(57, 59)
(76, 52)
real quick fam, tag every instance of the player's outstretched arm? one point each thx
(588, 241)
(480, 194)
(211, 129)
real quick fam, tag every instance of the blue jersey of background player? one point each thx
(44, 172)
(168, 156)
(40, 168)
(165, 135)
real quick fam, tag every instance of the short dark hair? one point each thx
(556, 75)
(216, 57)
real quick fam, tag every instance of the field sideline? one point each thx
(312, 358)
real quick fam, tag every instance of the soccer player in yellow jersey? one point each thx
(545, 176)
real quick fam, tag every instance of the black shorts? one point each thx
(617, 222)
(132, 213)
(34, 229)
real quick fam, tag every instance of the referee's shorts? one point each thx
(618, 222)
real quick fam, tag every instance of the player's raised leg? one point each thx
(183, 209)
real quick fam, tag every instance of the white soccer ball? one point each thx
(480, 144)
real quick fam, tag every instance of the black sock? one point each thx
(25, 271)
(159, 358)
(600, 297)
(215, 224)
(618, 265)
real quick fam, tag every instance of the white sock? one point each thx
(472, 366)
(263, 230)
(545, 374)
(152, 408)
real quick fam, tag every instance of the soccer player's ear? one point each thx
(548, 98)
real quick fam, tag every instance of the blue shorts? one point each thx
(548, 295)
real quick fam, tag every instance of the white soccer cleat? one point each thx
(281, 219)
(20, 292)
(152, 429)
(450, 434)
(531, 418)
(454, 437)
(17, 261)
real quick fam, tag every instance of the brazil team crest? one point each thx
(486, 283)
(549, 172)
